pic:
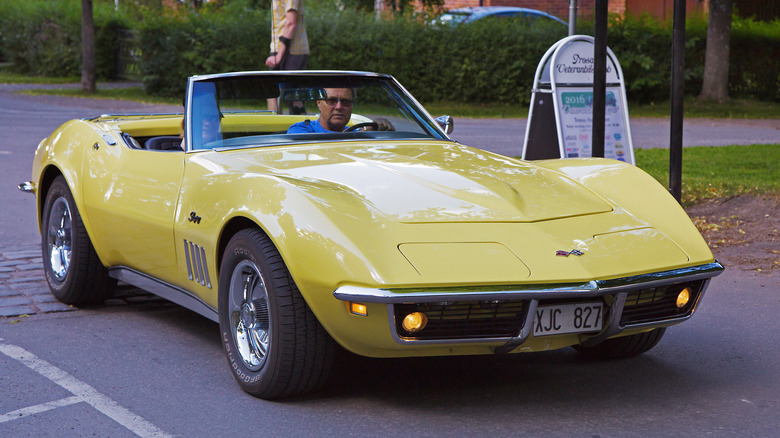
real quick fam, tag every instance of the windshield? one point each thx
(453, 17)
(241, 110)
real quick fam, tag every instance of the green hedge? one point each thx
(433, 63)
(480, 62)
(175, 48)
(43, 38)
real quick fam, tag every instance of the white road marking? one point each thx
(37, 409)
(82, 393)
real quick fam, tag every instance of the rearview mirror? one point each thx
(304, 94)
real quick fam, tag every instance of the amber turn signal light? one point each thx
(357, 309)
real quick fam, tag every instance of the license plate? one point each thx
(568, 318)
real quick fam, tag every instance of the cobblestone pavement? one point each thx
(23, 288)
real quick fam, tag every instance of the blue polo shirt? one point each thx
(307, 127)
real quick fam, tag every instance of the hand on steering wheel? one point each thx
(363, 127)
(379, 124)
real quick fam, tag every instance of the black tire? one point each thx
(624, 346)
(274, 344)
(72, 268)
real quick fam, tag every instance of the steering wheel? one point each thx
(357, 126)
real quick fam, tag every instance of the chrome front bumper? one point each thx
(619, 289)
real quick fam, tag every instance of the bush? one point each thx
(755, 60)
(174, 48)
(479, 62)
(43, 38)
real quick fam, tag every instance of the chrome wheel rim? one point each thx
(59, 238)
(249, 314)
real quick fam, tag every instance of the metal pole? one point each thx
(572, 17)
(599, 77)
(678, 77)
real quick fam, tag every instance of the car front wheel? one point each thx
(273, 342)
(72, 268)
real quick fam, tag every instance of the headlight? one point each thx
(414, 322)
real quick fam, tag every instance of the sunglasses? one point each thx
(332, 101)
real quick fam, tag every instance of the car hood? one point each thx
(412, 182)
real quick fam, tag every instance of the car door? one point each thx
(130, 198)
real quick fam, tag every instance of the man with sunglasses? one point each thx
(335, 112)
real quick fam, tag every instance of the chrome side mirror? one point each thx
(447, 123)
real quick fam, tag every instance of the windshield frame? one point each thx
(408, 106)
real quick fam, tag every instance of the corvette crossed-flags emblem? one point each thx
(568, 253)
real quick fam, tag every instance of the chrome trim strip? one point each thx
(477, 293)
(519, 292)
(198, 268)
(165, 290)
(708, 270)
(334, 73)
(187, 258)
(134, 116)
(206, 279)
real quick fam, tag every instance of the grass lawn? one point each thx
(732, 109)
(711, 172)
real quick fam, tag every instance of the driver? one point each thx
(335, 112)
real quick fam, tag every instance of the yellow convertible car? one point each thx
(303, 211)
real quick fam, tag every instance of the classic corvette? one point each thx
(304, 211)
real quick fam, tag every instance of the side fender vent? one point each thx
(197, 267)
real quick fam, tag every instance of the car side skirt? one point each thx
(164, 290)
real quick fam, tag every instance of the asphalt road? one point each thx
(143, 367)
(154, 369)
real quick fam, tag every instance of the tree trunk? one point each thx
(87, 47)
(716, 60)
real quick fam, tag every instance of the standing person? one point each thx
(289, 43)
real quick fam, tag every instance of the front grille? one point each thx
(659, 303)
(464, 320)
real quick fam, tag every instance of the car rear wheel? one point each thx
(624, 346)
(273, 342)
(72, 268)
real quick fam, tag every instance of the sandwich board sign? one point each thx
(560, 118)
